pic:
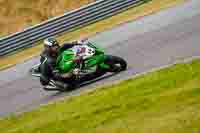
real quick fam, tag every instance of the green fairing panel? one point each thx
(65, 61)
(97, 59)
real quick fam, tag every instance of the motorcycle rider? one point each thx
(48, 59)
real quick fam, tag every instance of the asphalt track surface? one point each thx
(151, 42)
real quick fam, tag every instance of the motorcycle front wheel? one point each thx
(116, 64)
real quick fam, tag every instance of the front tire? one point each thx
(117, 64)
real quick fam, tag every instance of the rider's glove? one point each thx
(76, 71)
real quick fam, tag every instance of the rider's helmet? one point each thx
(51, 46)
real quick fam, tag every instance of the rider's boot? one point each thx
(56, 86)
(62, 86)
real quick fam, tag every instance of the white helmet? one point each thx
(50, 42)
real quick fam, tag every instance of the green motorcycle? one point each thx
(92, 63)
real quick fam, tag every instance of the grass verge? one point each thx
(165, 101)
(129, 15)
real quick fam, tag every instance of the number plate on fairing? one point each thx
(84, 51)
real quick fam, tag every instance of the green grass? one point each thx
(165, 101)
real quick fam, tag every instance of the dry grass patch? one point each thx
(19, 14)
